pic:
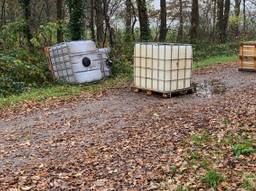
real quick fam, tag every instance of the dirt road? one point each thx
(129, 141)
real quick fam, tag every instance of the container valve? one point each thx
(86, 62)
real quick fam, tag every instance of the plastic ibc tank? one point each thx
(77, 62)
(162, 67)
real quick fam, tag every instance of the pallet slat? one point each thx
(163, 94)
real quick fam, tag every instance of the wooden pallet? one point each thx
(247, 69)
(189, 90)
(49, 62)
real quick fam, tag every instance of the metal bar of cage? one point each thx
(185, 68)
(152, 65)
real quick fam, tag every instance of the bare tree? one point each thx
(134, 20)
(128, 20)
(223, 16)
(214, 16)
(244, 13)
(237, 15)
(47, 10)
(108, 28)
(26, 6)
(220, 8)
(163, 25)
(91, 21)
(60, 17)
(194, 20)
(143, 19)
(99, 21)
(225, 20)
(3, 13)
(180, 30)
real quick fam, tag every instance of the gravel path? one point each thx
(119, 141)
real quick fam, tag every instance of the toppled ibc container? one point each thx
(78, 62)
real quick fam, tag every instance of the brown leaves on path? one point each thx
(127, 141)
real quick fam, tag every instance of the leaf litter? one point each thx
(126, 141)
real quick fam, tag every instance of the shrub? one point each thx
(20, 70)
(11, 34)
(46, 34)
(122, 57)
(205, 50)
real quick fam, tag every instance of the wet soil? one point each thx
(117, 141)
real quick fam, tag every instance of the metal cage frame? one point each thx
(158, 59)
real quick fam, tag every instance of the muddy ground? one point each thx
(123, 140)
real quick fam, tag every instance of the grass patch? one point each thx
(173, 171)
(226, 122)
(182, 188)
(204, 164)
(215, 60)
(193, 155)
(60, 91)
(200, 138)
(243, 149)
(213, 178)
(229, 139)
(249, 182)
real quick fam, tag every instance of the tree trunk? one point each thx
(60, 17)
(225, 20)
(99, 22)
(163, 25)
(107, 22)
(194, 20)
(214, 16)
(76, 15)
(134, 21)
(244, 13)
(3, 14)
(220, 8)
(128, 20)
(237, 15)
(180, 30)
(47, 11)
(26, 6)
(92, 20)
(223, 16)
(143, 19)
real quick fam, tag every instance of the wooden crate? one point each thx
(247, 56)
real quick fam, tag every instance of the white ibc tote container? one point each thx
(162, 67)
(78, 62)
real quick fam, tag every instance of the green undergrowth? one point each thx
(67, 91)
(213, 178)
(249, 182)
(243, 149)
(60, 91)
(215, 60)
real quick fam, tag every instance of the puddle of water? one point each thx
(210, 87)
